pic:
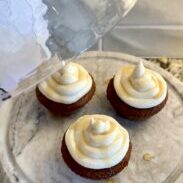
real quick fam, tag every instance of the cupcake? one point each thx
(96, 147)
(67, 90)
(137, 93)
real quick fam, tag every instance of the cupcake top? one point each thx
(140, 87)
(67, 85)
(97, 141)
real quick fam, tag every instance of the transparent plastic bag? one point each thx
(36, 29)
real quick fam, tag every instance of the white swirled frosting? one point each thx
(68, 85)
(97, 141)
(140, 87)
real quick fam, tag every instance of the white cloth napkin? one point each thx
(23, 33)
(151, 29)
(156, 12)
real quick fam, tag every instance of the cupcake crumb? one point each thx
(164, 60)
(147, 157)
(106, 81)
(111, 181)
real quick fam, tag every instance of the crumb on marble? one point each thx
(147, 157)
(111, 181)
(163, 60)
(106, 81)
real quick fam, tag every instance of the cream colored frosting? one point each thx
(68, 85)
(140, 87)
(97, 141)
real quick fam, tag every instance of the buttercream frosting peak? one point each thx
(67, 85)
(99, 127)
(97, 141)
(69, 74)
(140, 87)
(63, 63)
(139, 70)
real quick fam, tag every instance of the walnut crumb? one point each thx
(106, 81)
(147, 157)
(111, 181)
(163, 60)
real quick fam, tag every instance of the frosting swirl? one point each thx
(67, 85)
(97, 141)
(140, 87)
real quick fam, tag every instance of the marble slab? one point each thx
(31, 147)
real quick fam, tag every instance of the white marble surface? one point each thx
(35, 135)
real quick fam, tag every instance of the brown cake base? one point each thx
(95, 174)
(126, 111)
(65, 109)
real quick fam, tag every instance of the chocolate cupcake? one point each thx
(67, 90)
(137, 93)
(96, 147)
